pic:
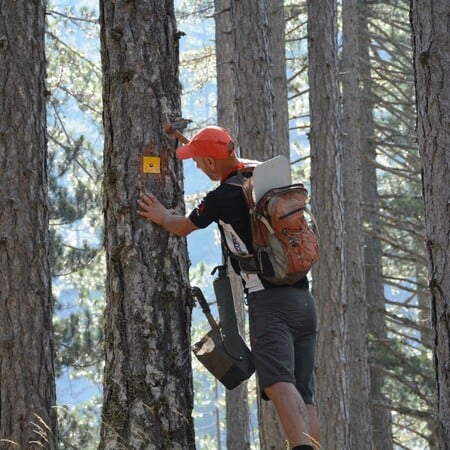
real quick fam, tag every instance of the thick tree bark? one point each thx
(358, 363)
(327, 192)
(27, 385)
(237, 410)
(432, 65)
(148, 381)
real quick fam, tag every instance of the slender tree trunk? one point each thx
(427, 341)
(432, 65)
(255, 112)
(358, 363)
(328, 278)
(254, 93)
(278, 65)
(237, 410)
(381, 416)
(148, 381)
(27, 384)
(226, 107)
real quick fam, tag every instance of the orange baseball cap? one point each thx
(211, 141)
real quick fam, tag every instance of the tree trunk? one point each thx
(254, 94)
(226, 108)
(277, 44)
(381, 416)
(27, 384)
(257, 138)
(327, 191)
(432, 65)
(237, 410)
(148, 396)
(272, 435)
(358, 364)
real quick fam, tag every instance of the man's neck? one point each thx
(230, 167)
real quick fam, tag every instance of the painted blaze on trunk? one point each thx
(148, 382)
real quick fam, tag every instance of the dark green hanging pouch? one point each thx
(222, 350)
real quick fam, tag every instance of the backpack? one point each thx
(285, 247)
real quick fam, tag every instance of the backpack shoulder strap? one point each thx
(239, 177)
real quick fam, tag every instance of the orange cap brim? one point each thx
(185, 152)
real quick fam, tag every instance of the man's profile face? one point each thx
(208, 166)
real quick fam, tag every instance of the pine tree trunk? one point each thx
(326, 184)
(358, 364)
(254, 93)
(432, 65)
(148, 396)
(277, 44)
(237, 410)
(226, 110)
(27, 384)
(381, 416)
(257, 138)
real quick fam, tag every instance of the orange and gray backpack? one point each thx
(285, 247)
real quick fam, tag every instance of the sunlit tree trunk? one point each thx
(147, 381)
(255, 113)
(332, 396)
(237, 410)
(432, 65)
(27, 384)
(358, 363)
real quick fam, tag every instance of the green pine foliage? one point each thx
(81, 425)
(76, 221)
(297, 77)
(406, 358)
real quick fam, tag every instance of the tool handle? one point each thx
(169, 129)
(198, 294)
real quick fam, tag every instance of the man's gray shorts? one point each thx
(283, 327)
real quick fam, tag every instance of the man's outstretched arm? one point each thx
(152, 209)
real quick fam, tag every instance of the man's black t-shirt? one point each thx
(226, 204)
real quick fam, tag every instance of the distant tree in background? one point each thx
(332, 394)
(353, 252)
(432, 64)
(277, 44)
(237, 401)
(148, 396)
(374, 294)
(27, 383)
(253, 38)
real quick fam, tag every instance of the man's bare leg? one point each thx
(293, 413)
(314, 426)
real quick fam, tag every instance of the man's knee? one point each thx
(277, 389)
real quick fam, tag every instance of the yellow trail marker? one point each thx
(151, 164)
